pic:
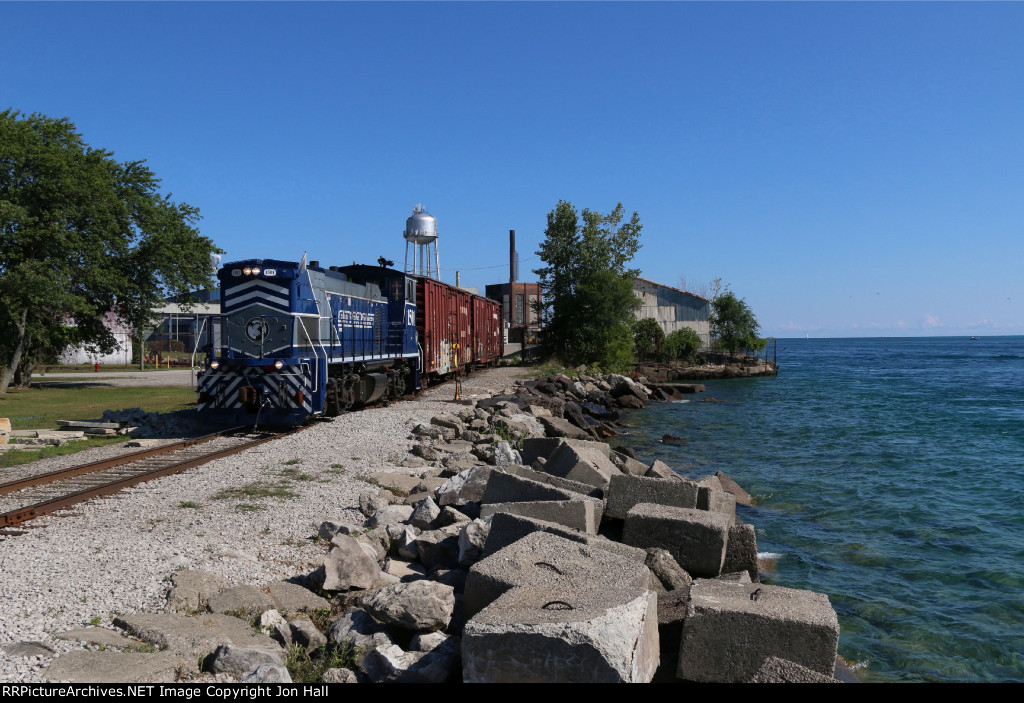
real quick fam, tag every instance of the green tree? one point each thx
(83, 235)
(681, 345)
(648, 339)
(588, 300)
(733, 323)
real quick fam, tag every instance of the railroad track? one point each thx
(31, 497)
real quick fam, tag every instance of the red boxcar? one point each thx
(488, 339)
(456, 327)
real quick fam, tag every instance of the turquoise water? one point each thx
(889, 474)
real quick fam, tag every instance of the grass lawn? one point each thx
(40, 408)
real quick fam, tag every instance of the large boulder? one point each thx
(347, 566)
(420, 605)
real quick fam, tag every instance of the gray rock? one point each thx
(419, 606)
(229, 659)
(439, 548)
(426, 515)
(451, 516)
(306, 635)
(472, 540)
(348, 566)
(390, 515)
(359, 630)
(190, 590)
(266, 673)
(339, 676)
(292, 598)
(369, 503)
(668, 571)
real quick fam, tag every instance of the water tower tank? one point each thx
(421, 234)
(421, 226)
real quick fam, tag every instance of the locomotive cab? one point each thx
(295, 340)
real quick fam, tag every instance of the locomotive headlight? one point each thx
(255, 270)
(247, 271)
(278, 364)
(215, 365)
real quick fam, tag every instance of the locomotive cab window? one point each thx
(396, 288)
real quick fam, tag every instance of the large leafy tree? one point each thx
(83, 235)
(733, 323)
(588, 300)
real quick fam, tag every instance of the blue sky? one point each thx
(850, 169)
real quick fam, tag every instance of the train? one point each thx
(296, 341)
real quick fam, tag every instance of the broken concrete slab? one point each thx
(626, 491)
(84, 666)
(769, 621)
(193, 636)
(240, 599)
(697, 539)
(741, 496)
(553, 636)
(97, 636)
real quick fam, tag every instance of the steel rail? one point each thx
(102, 464)
(16, 517)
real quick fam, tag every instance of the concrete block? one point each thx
(507, 528)
(730, 628)
(717, 501)
(585, 465)
(546, 561)
(556, 481)
(579, 514)
(741, 552)
(697, 539)
(509, 488)
(582, 636)
(544, 447)
(626, 491)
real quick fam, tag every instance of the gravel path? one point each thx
(172, 377)
(115, 555)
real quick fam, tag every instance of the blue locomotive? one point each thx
(294, 340)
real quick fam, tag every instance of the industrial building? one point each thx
(673, 309)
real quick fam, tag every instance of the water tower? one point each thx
(421, 232)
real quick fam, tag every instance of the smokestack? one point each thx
(511, 256)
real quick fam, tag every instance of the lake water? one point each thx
(889, 474)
